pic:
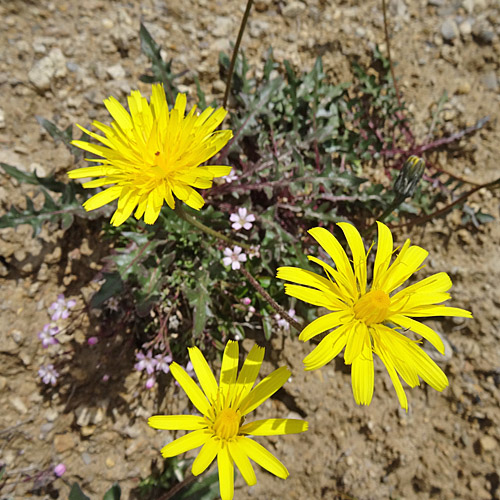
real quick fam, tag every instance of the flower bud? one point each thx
(409, 177)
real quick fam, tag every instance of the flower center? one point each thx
(372, 307)
(227, 423)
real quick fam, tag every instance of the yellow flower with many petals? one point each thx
(151, 155)
(221, 429)
(365, 320)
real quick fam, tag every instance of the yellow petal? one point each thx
(229, 370)
(177, 422)
(204, 373)
(242, 462)
(311, 296)
(249, 371)
(407, 262)
(384, 253)
(323, 323)
(327, 349)
(274, 427)
(103, 198)
(193, 392)
(264, 458)
(265, 389)
(185, 443)
(419, 328)
(206, 456)
(389, 365)
(303, 277)
(334, 249)
(358, 336)
(226, 473)
(358, 253)
(427, 311)
(362, 375)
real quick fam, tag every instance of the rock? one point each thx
(483, 32)
(86, 458)
(3, 383)
(465, 28)
(488, 443)
(223, 27)
(46, 70)
(490, 80)
(88, 430)
(18, 404)
(435, 3)
(449, 30)
(463, 88)
(63, 442)
(258, 28)
(110, 463)
(116, 72)
(468, 5)
(293, 9)
(2, 118)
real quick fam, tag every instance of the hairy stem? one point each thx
(235, 52)
(271, 301)
(179, 210)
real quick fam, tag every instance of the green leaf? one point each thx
(205, 488)
(112, 286)
(114, 493)
(199, 300)
(76, 493)
(65, 136)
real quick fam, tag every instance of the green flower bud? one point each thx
(409, 177)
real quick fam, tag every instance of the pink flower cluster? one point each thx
(153, 364)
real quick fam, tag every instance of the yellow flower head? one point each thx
(151, 154)
(221, 429)
(365, 319)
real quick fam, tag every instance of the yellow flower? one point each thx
(365, 319)
(152, 154)
(221, 430)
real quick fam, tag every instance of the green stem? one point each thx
(179, 210)
(395, 204)
(271, 301)
(235, 52)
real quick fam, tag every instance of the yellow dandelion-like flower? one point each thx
(221, 430)
(150, 154)
(365, 319)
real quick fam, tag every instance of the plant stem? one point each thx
(271, 301)
(178, 487)
(235, 52)
(179, 210)
(387, 42)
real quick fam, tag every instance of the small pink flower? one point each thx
(59, 470)
(60, 308)
(92, 340)
(47, 335)
(105, 378)
(282, 322)
(246, 301)
(242, 219)
(146, 362)
(150, 382)
(231, 177)
(234, 257)
(48, 374)
(163, 362)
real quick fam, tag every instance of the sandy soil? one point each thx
(59, 60)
